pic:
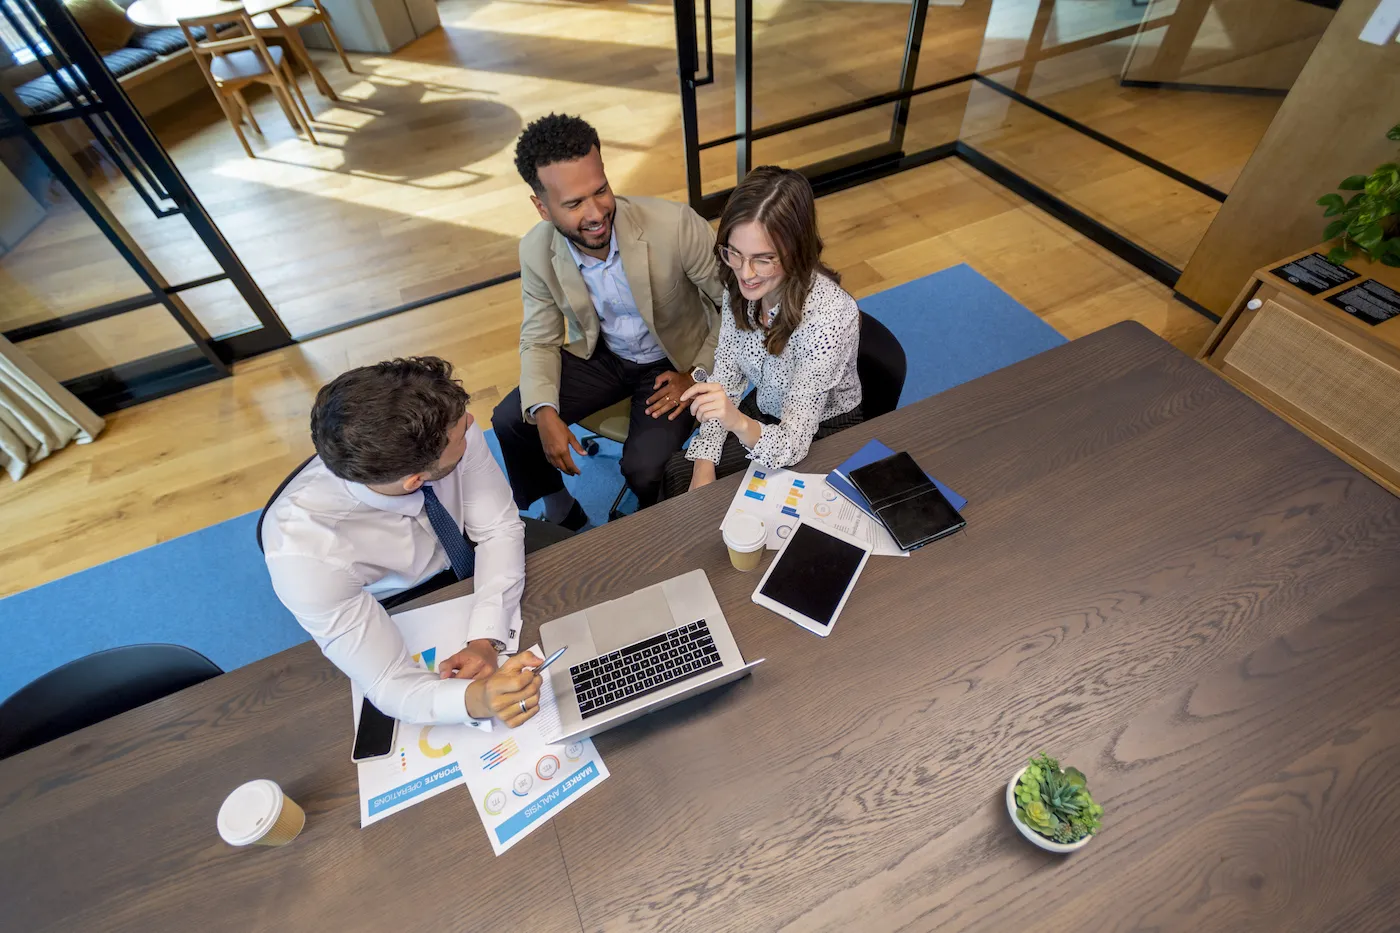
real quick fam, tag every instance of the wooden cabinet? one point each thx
(1327, 369)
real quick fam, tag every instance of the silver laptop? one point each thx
(639, 653)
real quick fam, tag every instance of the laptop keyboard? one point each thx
(645, 667)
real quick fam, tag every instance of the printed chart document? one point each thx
(780, 498)
(519, 778)
(422, 765)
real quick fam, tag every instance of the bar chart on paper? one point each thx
(774, 497)
(520, 780)
(781, 498)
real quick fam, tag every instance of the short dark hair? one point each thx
(380, 423)
(555, 138)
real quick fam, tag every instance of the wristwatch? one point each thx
(699, 374)
(496, 644)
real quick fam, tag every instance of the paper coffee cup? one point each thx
(746, 538)
(259, 814)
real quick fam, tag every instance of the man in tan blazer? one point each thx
(620, 298)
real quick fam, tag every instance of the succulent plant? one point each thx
(1055, 802)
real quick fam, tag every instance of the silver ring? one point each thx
(522, 707)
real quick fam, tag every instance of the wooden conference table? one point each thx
(1161, 582)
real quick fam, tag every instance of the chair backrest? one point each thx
(273, 498)
(97, 687)
(881, 365)
(244, 37)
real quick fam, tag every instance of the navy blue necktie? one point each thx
(459, 554)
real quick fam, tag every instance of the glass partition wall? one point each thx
(143, 249)
(1128, 119)
(124, 295)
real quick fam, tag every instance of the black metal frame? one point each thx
(886, 159)
(1204, 88)
(99, 103)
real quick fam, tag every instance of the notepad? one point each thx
(838, 480)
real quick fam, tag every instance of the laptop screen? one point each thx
(814, 573)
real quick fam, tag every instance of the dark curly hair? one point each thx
(380, 423)
(555, 138)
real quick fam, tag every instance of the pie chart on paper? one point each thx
(428, 750)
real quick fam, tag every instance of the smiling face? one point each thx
(578, 201)
(754, 259)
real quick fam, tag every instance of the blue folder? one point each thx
(871, 452)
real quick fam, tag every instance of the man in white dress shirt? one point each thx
(403, 497)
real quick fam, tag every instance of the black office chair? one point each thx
(84, 692)
(881, 366)
(273, 498)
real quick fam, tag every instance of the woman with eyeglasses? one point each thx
(785, 366)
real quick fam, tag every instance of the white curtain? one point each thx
(37, 415)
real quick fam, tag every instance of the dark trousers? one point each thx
(587, 386)
(538, 534)
(735, 458)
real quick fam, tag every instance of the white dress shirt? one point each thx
(624, 329)
(813, 379)
(332, 546)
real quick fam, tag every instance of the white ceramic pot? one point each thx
(1047, 844)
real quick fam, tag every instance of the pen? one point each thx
(551, 659)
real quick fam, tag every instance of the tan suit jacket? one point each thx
(669, 258)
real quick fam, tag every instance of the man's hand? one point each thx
(503, 693)
(703, 475)
(478, 659)
(670, 387)
(556, 438)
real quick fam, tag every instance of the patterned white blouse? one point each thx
(813, 379)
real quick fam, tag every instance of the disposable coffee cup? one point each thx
(745, 537)
(259, 814)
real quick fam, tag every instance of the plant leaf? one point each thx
(1075, 778)
(1390, 259)
(1334, 229)
(1369, 237)
(1339, 255)
(1353, 183)
(1333, 203)
(1355, 199)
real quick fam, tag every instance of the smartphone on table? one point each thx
(376, 734)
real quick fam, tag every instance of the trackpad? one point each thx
(629, 619)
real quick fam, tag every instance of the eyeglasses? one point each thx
(763, 267)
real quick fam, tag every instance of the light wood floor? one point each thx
(181, 463)
(413, 191)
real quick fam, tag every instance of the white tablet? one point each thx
(814, 572)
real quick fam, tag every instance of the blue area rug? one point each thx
(209, 589)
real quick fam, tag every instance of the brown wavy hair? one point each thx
(781, 201)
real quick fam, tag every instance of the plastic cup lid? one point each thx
(249, 812)
(744, 533)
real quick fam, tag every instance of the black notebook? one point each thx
(903, 497)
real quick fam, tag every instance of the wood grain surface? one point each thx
(1214, 647)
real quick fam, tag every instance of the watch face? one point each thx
(699, 374)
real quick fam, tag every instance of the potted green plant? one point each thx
(1367, 221)
(1051, 806)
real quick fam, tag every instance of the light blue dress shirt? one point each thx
(624, 329)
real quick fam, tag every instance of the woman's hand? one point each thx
(709, 402)
(703, 475)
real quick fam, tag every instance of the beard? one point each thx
(577, 237)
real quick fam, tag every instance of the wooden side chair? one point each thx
(232, 61)
(285, 24)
